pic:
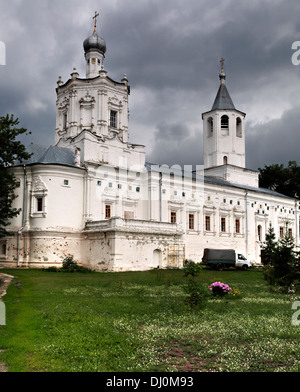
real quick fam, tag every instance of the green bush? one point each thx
(51, 269)
(69, 265)
(283, 269)
(192, 269)
(198, 295)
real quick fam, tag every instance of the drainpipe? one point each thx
(296, 220)
(23, 216)
(160, 191)
(246, 222)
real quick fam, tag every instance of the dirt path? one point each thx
(5, 281)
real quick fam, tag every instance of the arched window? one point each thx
(210, 126)
(225, 160)
(259, 233)
(225, 123)
(239, 127)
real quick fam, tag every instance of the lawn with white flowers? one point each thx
(142, 321)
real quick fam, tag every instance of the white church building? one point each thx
(93, 194)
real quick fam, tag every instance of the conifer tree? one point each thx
(269, 246)
(11, 150)
(285, 262)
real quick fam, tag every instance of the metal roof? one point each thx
(49, 155)
(223, 99)
(65, 156)
(164, 169)
(219, 181)
(94, 42)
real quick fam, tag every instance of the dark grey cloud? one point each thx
(276, 141)
(170, 51)
(174, 145)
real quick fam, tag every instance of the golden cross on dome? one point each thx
(95, 17)
(222, 64)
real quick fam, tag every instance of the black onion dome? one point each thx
(94, 42)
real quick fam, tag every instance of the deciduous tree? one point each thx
(285, 180)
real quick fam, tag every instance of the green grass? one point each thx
(140, 321)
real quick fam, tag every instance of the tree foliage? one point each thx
(197, 296)
(283, 262)
(269, 246)
(285, 180)
(11, 150)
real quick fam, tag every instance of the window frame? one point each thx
(237, 226)
(223, 224)
(259, 233)
(113, 119)
(210, 126)
(238, 125)
(191, 221)
(173, 217)
(3, 249)
(281, 232)
(207, 223)
(224, 122)
(107, 211)
(39, 204)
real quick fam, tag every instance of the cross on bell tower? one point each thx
(95, 17)
(222, 64)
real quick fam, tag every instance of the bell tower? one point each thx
(224, 140)
(92, 113)
(223, 130)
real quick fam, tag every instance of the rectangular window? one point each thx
(291, 234)
(173, 217)
(65, 121)
(237, 226)
(281, 232)
(39, 204)
(107, 211)
(113, 119)
(191, 221)
(207, 223)
(223, 225)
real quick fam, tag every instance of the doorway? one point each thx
(157, 258)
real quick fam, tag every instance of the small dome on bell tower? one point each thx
(94, 52)
(95, 43)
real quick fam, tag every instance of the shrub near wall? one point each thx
(69, 265)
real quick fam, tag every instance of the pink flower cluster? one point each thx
(219, 287)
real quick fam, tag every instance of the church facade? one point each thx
(94, 196)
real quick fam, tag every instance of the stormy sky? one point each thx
(170, 51)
